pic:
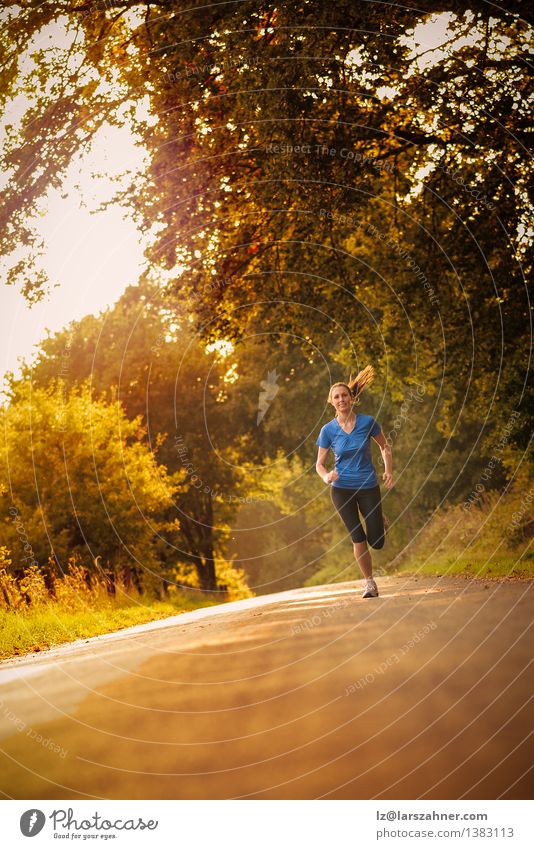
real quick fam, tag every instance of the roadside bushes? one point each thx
(77, 589)
(39, 609)
(232, 582)
(489, 535)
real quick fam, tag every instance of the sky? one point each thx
(93, 257)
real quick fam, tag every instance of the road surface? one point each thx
(313, 693)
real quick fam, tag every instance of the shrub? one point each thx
(10, 595)
(497, 525)
(228, 577)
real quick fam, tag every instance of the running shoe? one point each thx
(371, 589)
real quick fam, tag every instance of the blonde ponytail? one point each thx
(355, 385)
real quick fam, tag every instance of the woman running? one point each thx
(354, 481)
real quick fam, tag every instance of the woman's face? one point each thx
(341, 399)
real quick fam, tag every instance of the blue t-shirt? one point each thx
(352, 452)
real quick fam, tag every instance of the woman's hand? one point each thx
(388, 479)
(331, 476)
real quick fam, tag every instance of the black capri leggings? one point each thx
(349, 503)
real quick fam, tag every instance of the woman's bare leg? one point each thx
(363, 558)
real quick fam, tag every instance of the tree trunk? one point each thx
(209, 571)
(198, 532)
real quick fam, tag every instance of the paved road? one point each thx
(314, 693)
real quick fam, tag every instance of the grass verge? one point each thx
(497, 568)
(49, 625)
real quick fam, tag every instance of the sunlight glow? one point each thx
(223, 348)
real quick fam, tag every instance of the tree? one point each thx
(141, 355)
(311, 177)
(268, 114)
(77, 478)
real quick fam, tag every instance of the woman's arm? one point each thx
(323, 472)
(387, 457)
